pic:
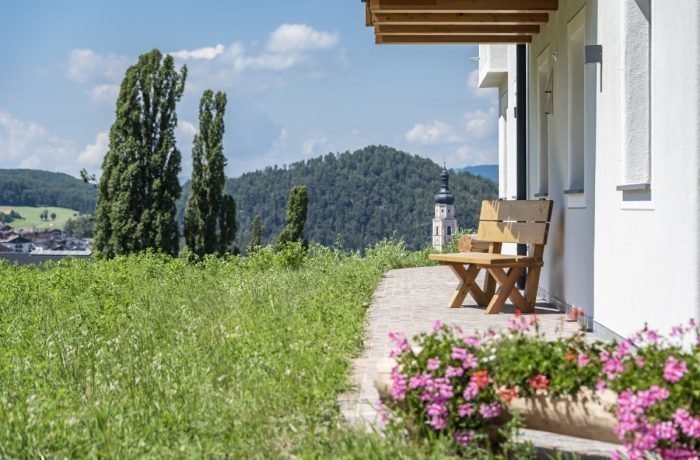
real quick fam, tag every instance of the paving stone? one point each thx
(410, 301)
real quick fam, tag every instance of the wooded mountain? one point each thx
(29, 187)
(356, 198)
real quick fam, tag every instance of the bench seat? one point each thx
(484, 259)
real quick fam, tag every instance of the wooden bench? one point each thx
(522, 222)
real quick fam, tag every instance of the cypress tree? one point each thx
(297, 210)
(139, 187)
(210, 216)
(257, 234)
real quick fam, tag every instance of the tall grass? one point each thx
(148, 356)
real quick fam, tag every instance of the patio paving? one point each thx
(410, 301)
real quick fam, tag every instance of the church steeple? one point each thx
(444, 222)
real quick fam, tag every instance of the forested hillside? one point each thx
(29, 187)
(356, 198)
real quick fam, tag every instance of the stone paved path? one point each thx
(410, 301)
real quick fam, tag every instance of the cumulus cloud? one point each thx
(186, 128)
(199, 53)
(300, 37)
(479, 123)
(431, 133)
(468, 156)
(104, 93)
(27, 144)
(93, 154)
(84, 65)
(314, 146)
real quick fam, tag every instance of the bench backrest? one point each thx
(519, 221)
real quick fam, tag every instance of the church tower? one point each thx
(444, 222)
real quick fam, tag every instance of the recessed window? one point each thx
(449, 230)
(636, 88)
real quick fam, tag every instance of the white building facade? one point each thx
(613, 138)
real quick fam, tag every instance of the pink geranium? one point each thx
(674, 370)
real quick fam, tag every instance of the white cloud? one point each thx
(468, 156)
(85, 65)
(314, 146)
(300, 37)
(104, 93)
(93, 154)
(186, 128)
(27, 144)
(431, 133)
(479, 123)
(199, 53)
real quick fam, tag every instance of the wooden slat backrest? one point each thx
(521, 221)
(516, 210)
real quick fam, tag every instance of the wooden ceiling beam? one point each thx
(459, 18)
(451, 29)
(463, 6)
(450, 39)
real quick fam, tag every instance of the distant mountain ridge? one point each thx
(31, 187)
(356, 199)
(489, 172)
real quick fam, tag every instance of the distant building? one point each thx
(444, 222)
(18, 243)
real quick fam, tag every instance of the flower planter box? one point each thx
(585, 416)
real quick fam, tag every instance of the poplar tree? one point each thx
(297, 210)
(139, 186)
(210, 216)
(257, 234)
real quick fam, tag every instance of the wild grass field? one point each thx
(31, 216)
(149, 356)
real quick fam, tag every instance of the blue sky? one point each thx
(304, 78)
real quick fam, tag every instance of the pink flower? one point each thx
(469, 361)
(583, 360)
(465, 410)
(433, 364)
(400, 344)
(437, 325)
(454, 372)
(463, 437)
(639, 362)
(471, 340)
(399, 387)
(419, 381)
(600, 385)
(471, 391)
(674, 370)
(492, 410)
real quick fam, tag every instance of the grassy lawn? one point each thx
(30, 216)
(153, 357)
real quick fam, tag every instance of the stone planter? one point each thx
(584, 416)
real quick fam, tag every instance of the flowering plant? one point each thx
(459, 385)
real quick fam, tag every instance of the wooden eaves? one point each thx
(457, 21)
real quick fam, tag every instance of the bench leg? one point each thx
(467, 281)
(507, 282)
(531, 284)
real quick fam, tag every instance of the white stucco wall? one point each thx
(567, 278)
(624, 257)
(647, 253)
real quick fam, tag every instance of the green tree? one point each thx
(53, 216)
(139, 187)
(257, 234)
(44, 214)
(297, 209)
(210, 215)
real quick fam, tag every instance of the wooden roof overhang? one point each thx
(457, 21)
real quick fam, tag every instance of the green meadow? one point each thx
(149, 356)
(31, 216)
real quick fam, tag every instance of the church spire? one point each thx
(444, 196)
